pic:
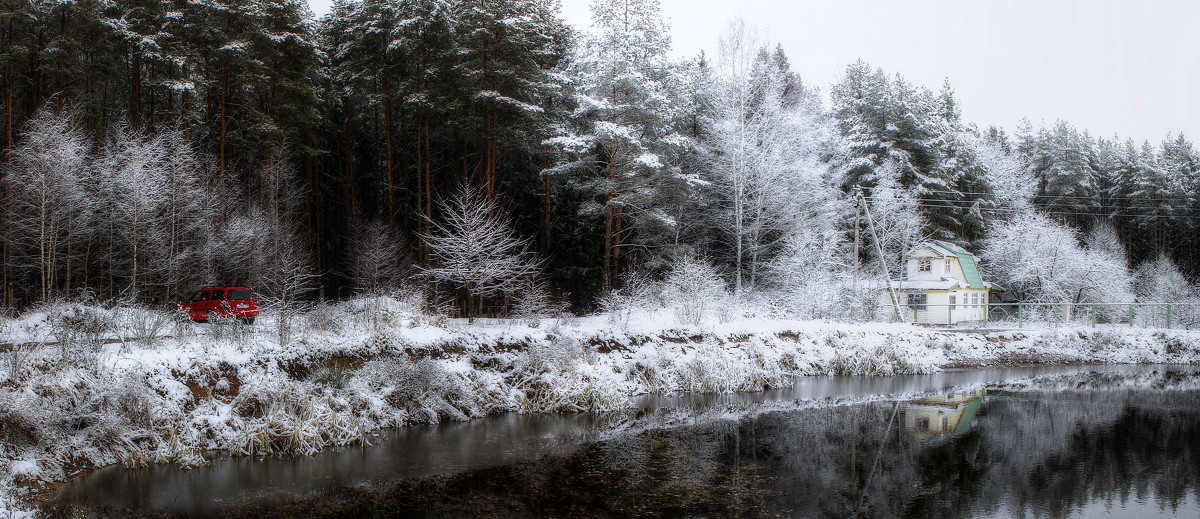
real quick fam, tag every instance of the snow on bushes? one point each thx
(77, 391)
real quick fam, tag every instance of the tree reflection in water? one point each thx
(1056, 448)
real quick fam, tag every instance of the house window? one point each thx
(975, 300)
(953, 301)
(924, 265)
(947, 266)
(917, 301)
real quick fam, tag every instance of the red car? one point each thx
(212, 302)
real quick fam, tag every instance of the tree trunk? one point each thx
(387, 123)
(428, 181)
(135, 88)
(617, 242)
(349, 180)
(224, 118)
(420, 187)
(546, 208)
(606, 281)
(404, 170)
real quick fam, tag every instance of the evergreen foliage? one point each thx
(154, 145)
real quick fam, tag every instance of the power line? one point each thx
(1002, 210)
(1036, 204)
(1080, 197)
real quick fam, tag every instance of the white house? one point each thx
(941, 285)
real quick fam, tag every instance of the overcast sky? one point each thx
(1106, 66)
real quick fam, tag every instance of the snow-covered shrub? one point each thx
(881, 361)
(261, 398)
(648, 376)
(323, 317)
(807, 276)
(228, 329)
(146, 325)
(639, 291)
(535, 301)
(717, 371)
(1160, 281)
(572, 393)
(693, 289)
(422, 389)
(80, 330)
(332, 374)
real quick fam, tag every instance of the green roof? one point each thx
(964, 421)
(966, 261)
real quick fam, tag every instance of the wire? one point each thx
(1081, 197)
(1038, 204)
(949, 204)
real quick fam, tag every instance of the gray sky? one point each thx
(1106, 66)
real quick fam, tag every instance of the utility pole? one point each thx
(861, 202)
(857, 211)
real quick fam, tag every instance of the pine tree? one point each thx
(625, 91)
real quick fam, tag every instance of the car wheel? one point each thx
(247, 319)
(210, 316)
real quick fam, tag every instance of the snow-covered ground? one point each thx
(84, 386)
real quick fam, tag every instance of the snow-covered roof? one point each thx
(944, 250)
(967, 261)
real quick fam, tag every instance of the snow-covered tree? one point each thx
(623, 129)
(1160, 281)
(48, 212)
(134, 194)
(1007, 174)
(475, 251)
(768, 145)
(379, 261)
(1041, 261)
(899, 224)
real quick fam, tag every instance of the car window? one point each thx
(218, 293)
(196, 297)
(240, 294)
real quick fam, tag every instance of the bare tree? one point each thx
(767, 171)
(48, 210)
(287, 279)
(475, 251)
(377, 257)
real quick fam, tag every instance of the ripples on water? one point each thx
(1073, 442)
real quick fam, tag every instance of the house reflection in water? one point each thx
(928, 418)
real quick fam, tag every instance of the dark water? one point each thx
(1069, 442)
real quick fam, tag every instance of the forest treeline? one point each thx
(152, 146)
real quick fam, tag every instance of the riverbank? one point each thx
(83, 387)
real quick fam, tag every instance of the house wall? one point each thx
(937, 272)
(937, 303)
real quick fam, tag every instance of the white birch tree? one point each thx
(766, 142)
(48, 210)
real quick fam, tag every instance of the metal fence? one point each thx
(1020, 315)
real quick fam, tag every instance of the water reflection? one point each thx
(933, 416)
(1079, 444)
(411, 452)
